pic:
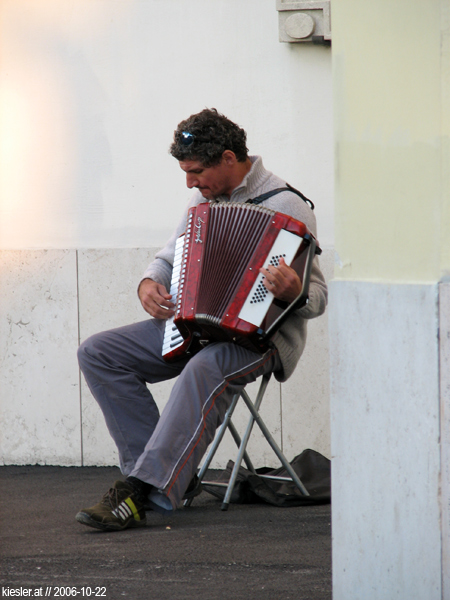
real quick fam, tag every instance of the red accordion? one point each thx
(216, 283)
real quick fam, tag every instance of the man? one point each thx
(159, 455)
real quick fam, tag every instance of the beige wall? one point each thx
(392, 126)
(90, 94)
(92, 91)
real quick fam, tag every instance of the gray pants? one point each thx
(165, 450)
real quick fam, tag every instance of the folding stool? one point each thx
(253, 407)
(300, 301)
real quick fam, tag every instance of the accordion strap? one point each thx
(288, 188)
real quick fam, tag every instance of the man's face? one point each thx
(211, 181)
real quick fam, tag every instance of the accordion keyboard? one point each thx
(172, 337)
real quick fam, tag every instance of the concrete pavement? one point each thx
(248, 552)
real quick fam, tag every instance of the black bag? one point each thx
(313, 469)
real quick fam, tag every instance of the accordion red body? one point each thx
(216, 281)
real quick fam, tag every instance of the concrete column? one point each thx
(390, 302)
(386, 441)
(444, 347)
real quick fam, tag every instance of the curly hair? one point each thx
(205, 136)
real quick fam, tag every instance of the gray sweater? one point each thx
(291, 338)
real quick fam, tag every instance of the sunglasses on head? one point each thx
(186, 138)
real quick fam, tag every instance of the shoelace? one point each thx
(114, 497)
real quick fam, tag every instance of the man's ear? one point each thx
(229, 157)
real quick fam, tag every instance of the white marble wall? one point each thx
(52, 299)
(39, 380)
(386, 444)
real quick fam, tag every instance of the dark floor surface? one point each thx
(250, 552)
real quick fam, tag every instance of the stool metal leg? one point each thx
(254, 411)
(217, 440)
(238, 441)
(242, 445)
(246, 437)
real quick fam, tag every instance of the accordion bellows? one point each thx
(216, 283)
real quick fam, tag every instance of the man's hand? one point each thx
(282, 281)
(155, 299)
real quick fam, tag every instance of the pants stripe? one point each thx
(227, 383)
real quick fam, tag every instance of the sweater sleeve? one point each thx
(160, 270)
(317, 294)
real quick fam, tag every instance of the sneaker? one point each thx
(119, 509)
